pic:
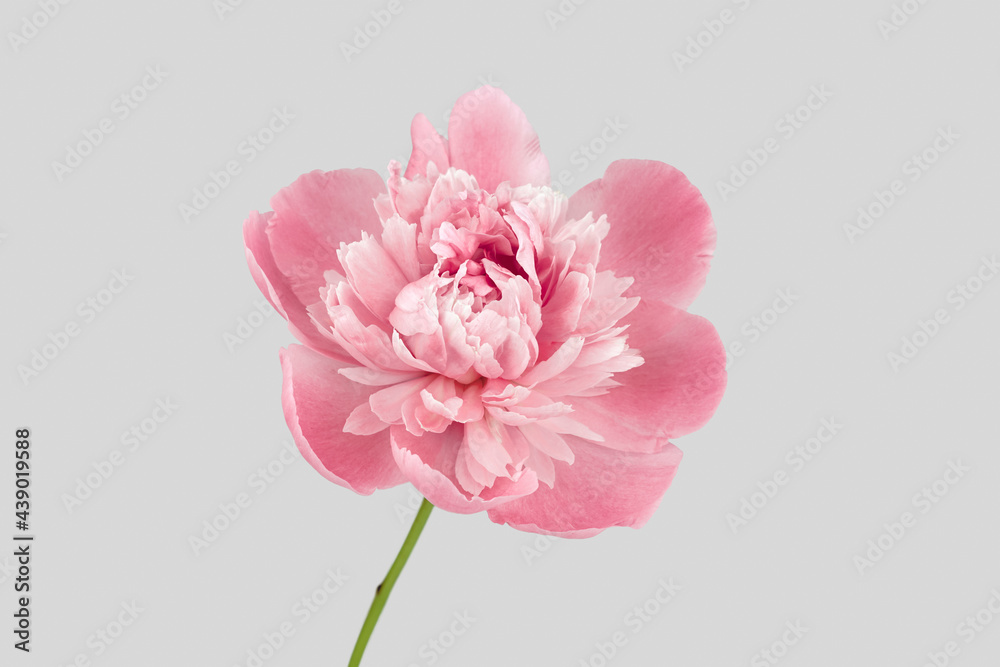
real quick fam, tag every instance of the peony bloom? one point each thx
(499, 345)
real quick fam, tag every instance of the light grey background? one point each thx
(550, 602)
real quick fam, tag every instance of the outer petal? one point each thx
(317, 402)
(313, 215)
(491, 138)
(261, 262)
(428, 461)
(278, 291)
(602, 488)
(673, 393)
(428, 146)
(661, 228)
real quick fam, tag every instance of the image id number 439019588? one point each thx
(22, 549)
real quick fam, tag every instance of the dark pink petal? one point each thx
(313, 216)
(428, 146)
(428, 461)
(661, 228)
(318, 401)
(491, 138)
(602, 488)
(674, 392)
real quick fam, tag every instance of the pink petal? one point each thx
(661, 228)
(340, 293)
(673, 393)
(408, 198)
(606, 305)
(547, 442)
(532, 407)
(529, 242)
(406, 356)
(399, 238)
(472, 404)
(485, 440)
(313, 216)
(276, 287)
(428, 146)
(428, 461)
(369, 346)
(259, 257)
(373, 274)
(317, 401)
(471, 475)
(543, 466)
(499, 392)
(362, 421)
(570, 426)
(377, 377)
(561, 314)
(561, 359)
(602, 488)
(491, 138)
(441, 397)
(388, 403)
(416, 307)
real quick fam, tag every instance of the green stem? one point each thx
(383, 590)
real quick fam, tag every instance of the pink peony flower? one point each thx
(499, 345)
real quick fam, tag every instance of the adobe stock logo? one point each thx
(247, 325)
(589, 152)
(87, 310)
(246, 152)
(231, 510)
(914, 169)
(635, 620)
(99, 641)
(923, 501)
(31, 25)
(968, 630)
(778, 649)
(134, 438)
(899, 17)
(562, 12)
(303, 610)
(788, 125)
(225, 7)
(434, 649)
(960, 296)
(121, 108)
(364, 35)
(714, 28)
(796, 459)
